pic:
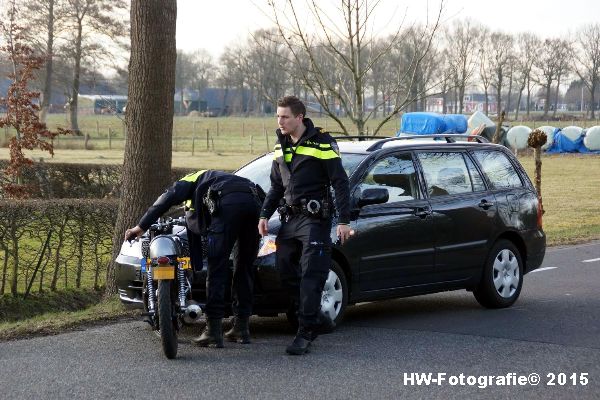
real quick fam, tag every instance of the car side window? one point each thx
(396, 174)
(498, 168)
(476, 177)
(445, 173)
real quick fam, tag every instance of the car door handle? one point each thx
(422, 212)
(485, 204)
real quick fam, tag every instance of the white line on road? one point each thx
(543, 269)
(592, 260)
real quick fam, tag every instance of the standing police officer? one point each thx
(225, 207)
(306, 163)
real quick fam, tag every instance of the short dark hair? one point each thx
(296, 106)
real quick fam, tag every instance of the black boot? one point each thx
(301, 343)
(240, 331)
(325, 325)
(212, 334)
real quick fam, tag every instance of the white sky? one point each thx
(213, 24)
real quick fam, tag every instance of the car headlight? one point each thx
(267, 246)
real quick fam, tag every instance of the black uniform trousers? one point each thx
(235, 221)
(303, 259)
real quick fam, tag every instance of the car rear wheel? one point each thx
(502, 278)
(334, 297)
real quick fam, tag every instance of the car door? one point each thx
(394, 240)
(463, 213)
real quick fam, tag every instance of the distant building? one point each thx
(471, 102)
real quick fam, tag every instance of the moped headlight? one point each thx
(268, 246)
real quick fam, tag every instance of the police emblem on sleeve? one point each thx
(335, 148)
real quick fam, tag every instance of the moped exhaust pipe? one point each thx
(192, 313)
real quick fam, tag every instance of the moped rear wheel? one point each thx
(168, 331)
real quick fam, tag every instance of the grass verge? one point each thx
(52, 323)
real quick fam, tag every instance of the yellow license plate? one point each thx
(184, 262)
(163, 272)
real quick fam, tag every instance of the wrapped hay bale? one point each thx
(517, 137)
(549, 131)
(572, 132)
(592, 138)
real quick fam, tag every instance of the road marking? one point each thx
(543, 269)
(592, 260)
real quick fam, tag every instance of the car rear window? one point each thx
(498, 168)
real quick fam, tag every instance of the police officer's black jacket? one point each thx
(305, 170)
(191, 189)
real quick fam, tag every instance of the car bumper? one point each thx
(536, 249)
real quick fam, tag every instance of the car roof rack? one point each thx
(450, 138)
(360, 138)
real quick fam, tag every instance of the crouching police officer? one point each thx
(226, 208)
(306, 163)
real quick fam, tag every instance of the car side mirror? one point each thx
(373, 196)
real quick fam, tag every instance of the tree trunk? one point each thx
(547, 99)
(49, 50)
(486, 107)
(510, 85)
(15, 268)
(4, 270)
(556, 97)
(518, 104)
(592, 99)
(499, 96)
(149, 118)
(73, 103)
(528, 97)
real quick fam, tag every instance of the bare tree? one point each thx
(462, 39)
(147, 165)
(266, 77)
(528, 46)
(502, 45)
(588, 60)
(44, 19)
(563, 54)
(348, 45)
(485, 66)
(93, 22)
(550, 66)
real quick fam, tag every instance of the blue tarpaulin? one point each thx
(563, 144)
(426, 123)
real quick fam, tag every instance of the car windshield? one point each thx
(259, 170)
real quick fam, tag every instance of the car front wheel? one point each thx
(334, 297)
(502, 278)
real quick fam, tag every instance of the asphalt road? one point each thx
(553, 328)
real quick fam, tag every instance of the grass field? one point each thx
(252, 135)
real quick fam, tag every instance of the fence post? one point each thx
(109, 139)
(207, 143)
(97, 129)
(251, 144)
(243, 129)
(217, 128)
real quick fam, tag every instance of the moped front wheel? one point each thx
(166, 324)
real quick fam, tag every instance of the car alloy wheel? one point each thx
(502, 276)
(506, 273)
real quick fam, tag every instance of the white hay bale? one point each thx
(572, 132)
(592, 138)
(549, 131)
(517, 136)
(477, 119)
